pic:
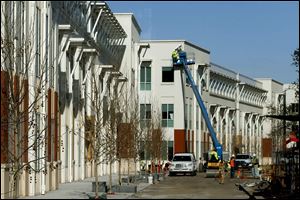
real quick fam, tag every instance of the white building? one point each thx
(63, 46)
(74, 56)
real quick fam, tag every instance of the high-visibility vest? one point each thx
(175, 55)
(215, 154)
(232, 163)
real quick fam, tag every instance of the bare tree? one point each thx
(23, 95)
(157, 138)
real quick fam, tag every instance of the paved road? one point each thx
(192, 187)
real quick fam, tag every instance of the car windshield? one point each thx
(242, 156)
(182, 158)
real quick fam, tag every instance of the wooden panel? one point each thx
(124, 141)
(179, 141)
(49, 126)
(4, 117)
(56, 142)
(188, 141)
(156, 143)
(26, 120)
(267, 147)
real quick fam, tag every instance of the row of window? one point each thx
(145, 75)
(167, 115)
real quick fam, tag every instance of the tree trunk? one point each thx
(110, 176)
(96, 178)
(128, 170)
(120, 180)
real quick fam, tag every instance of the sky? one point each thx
(254, 38)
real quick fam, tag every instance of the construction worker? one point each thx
(232, 165)
(213, 155)
(221, 172)
(227, 168)
(255, 166)
(175, 56)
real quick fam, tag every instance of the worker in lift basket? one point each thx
(175, 55)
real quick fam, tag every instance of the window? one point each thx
(145, 114)
(170, 150)
(37, 42)
(167, 74)
(145, 76)
(167, 115)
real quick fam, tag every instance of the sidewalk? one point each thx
(81, 190)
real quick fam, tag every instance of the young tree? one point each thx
(23, 96)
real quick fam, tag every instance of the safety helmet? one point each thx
(232, 155)
(254, 154)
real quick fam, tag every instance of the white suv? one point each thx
(243, 160)
(183, 163)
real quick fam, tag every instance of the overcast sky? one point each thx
(253, 38)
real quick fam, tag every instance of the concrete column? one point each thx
(4, 181)
(243, 141)
(218, 123)
(250, 133)
(63, 143)
(227, 126)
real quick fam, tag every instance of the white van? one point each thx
(183, 163)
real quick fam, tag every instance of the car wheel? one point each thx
(171, 174)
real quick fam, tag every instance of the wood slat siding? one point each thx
(179, 141)
(49, 127)
(4, 117)
(267, 147)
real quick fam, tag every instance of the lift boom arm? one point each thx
(183, 62)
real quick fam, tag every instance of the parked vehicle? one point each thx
(183, 163)
(243, 160)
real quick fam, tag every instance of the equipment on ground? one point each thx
(180, 61)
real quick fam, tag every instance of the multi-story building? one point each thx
(61, 65)
(52, 52)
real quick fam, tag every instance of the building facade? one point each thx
(63, 67)
(52, 58)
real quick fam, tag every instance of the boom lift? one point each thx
(180, 61)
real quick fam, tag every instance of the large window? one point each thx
(167, 115)
(167, 74)
(145, 76)
(145, 114)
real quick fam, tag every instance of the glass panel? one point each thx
(142, 111)
(148, 111)
(142, 86)
(164, 115)
(142, 74)
(148, 86)
(170, 150)
(164, 123)
(148, 74)
(171, 107)
(171, 111)
(164, 107)
(170, 123)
